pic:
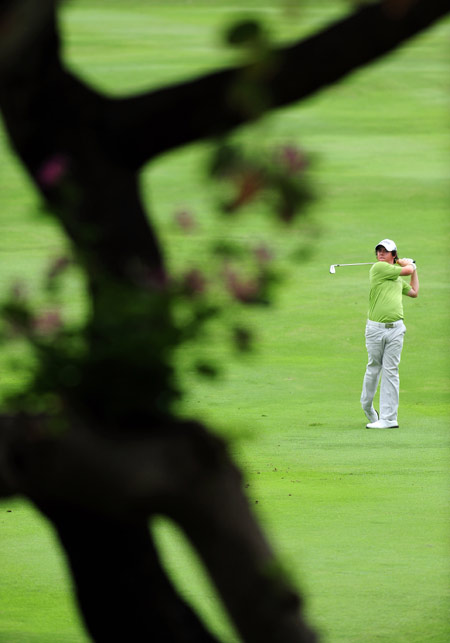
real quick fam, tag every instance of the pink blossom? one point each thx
(52, 170)
(58, 266)
(195, 282)
(48, 322)
(185, 220)
(263, 253)
(249, 184)
(292, 159)
(242, 289)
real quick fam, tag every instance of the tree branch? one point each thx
(54, 122)
(123, 591)
(146, 125)
(81, 479)
(20, 22)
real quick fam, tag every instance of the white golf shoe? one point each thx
(373, 415)
(382, 424)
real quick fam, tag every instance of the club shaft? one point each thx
(366, 263)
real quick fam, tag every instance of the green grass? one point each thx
(35, 597)
(359, 518)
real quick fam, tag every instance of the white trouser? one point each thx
(384, 343)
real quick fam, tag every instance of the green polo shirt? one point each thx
(386, 290)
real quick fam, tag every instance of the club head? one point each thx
(332, 269)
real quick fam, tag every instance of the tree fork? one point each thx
(122, 589)
(98, 491)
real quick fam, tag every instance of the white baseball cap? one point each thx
(388, 244)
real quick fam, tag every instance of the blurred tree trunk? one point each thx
(116, 465)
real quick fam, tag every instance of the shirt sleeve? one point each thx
(386, 271)
(405, 287)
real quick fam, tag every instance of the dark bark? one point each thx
(99, 492)
(122, 590)
(51, 117)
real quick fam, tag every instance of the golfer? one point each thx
(385, 331)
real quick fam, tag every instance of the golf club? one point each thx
(339, 265)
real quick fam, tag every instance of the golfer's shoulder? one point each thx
(377, 269)
(384, 270)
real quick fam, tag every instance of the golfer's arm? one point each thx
(407, 268)
(414, 292)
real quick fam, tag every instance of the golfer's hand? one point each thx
(405, 261)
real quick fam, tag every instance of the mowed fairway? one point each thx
(359, 518)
